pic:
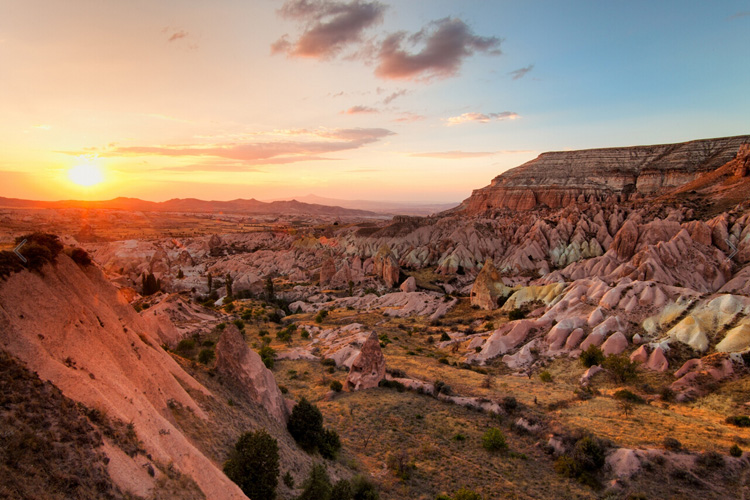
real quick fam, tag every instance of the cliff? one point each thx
(557, 179)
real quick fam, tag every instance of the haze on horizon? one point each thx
(366, 99)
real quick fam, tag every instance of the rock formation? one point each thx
(386, 266)
(488, 288)
(368, 368)
(242, 367)
(558, 179)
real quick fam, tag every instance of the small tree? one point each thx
(494, 440)
(210, 283)
(591, 356)
(180, 274)
(620, 367)
(306, 425)
(254, 465)
(268, 289)
(317, 486)
(150, 284)
(342, 490)
(228, 283)
(466, 494)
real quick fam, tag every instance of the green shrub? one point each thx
(288, 480)
(591, 356)
(672, 444)
(317, 485)
(739, 420)
(304, 334)
(399, 463)
(567, 467)
(494, 440)
(306, 427)
(328, 362)
(545, 376)
(735, 451)
(330, 444)
(268, 355)
(466, 494)
(342, 490)
(509, 404)
(184, 346)
(206, 356)
(442, 388)
(253, 464)
(626, 395)
(710, 460)
(322, 314)
(589, 454)
(80, 256)
(444, 337)
(239, 324)
(363, 489)
(516, 314)
(336, 386)
(620, 367)
(392, 384)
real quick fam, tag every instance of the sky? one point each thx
(367, 99)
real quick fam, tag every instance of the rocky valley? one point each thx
(580, 328)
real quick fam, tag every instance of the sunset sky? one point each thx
(380, 100)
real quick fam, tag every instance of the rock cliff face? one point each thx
(558, 179)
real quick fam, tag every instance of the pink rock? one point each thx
(615, 344)
(593, 339)
(640, 355)
(368, 368)
(589, 374)
(409, 285)
(657, 361)
(574, 338)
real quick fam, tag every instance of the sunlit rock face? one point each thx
(368, 368)
(558, 179)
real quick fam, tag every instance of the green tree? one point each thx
(150, 284)
(342, 490)
(466, 494)
(228, 283)
(180, 274)
(268, 289)
(363, 489)
(210, 283)
(317, 486)
(254, 465)
(306, 425)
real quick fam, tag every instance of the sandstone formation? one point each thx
(386, 266)
(368, 368)
(488, 288)
(241, 366)
(558, 179)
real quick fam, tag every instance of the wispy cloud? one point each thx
(521, 72)
(437, 51)
(327, 26)
(481, 117)
(360, 110)
(394, 95)
(740, 15)
(176, 35)
(363, 171)
(408, 117)
(319, 142)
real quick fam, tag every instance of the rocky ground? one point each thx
(603, 327)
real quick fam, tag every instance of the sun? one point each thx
(85, 174)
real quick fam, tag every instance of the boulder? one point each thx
(409, 285)
(657, 361)
(242, 368)
(488, 288)
(615, 344)
(368, 368)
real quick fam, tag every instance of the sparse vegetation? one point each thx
(593, 355)
(494, 440)
(306, 427)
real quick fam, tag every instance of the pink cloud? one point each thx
(481, 117)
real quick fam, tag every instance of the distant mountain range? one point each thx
(382, 207)
(192, 205)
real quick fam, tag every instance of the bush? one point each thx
(330, 444)
(509, 404)
(589, 454)
(442, 388)
(321, 316)
(710, 460)
(342, 490)
(305, 335)
(268, 356)
(392, 384)
(494, 440)
(567, 467)
(466, 494)
(336, 386)
(206, 356)
(672, 444)
(328, 362)
(39, 249)
(80, 256)
(288, 480)
(239, 324)
(400, 464)
(735, 451)
(317, 486)
(591, 356)
(444, 337)
(516, 313)
(738, 421)
(545, 376)
(185, 346)
(620, 367)
(626, 395)
(253, 464)
(363, 489)
(306, 427)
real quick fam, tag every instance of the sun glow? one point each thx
(85, 174)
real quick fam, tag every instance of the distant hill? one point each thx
(383, 207)
(239, 206)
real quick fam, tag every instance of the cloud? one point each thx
(408, 117)
(395, 95)
(320, 142)
(459, 155)
(328, 26)
(521, 72)
(177, 35)
(360, 110)
(363, 170)
(444, 46)
(739, 15)
(481, 117)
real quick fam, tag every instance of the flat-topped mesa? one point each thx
(560, 178)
